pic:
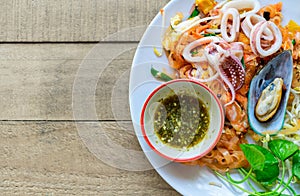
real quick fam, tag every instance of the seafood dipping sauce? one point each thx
(181, 120)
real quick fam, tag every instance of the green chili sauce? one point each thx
(181, 120)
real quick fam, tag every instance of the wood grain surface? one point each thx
(38, 80)
(49, 158)
(74, 20)
(46, 48)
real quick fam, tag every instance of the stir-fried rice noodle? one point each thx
(241, 31)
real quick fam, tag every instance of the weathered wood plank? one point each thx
(74, 20)
(37, 80)
(48, 158)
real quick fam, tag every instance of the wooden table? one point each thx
(44, 43)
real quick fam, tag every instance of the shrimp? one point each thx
(237, 117)
(184, 72)
(234, 113)
(176, 61)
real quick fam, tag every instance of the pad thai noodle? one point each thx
(224, 45)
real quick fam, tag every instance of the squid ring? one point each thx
(256, 35)
(250, 21)
(235, 27)
(187, 50)
(241, 5)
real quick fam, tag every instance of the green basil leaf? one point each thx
(282, 149)
(268, 175)
(254, 156)
(296, 170)
(270, 158)
(296, 157)
(270, 171)
(264, 163)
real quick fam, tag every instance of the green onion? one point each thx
(293, 41)
(243, 63)
(209, 34)
(194, 13)
(160, 75)
(194, 52)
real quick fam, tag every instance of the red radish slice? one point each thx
(232, 68)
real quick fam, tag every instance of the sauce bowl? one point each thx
(182, 87)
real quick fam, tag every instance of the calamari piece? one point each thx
(233, 70)
(250, 21)
(269, 100)
(187, 54)
(245, 7)
(270, 47)
(237, 49)
(234, 26)
(198, 73)
(219, 56)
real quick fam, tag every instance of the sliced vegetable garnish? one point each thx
(160, 75)
(194, 13)
(243, 62)
(209, 34)
(156, 52)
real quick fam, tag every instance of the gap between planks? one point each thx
(67, 121)
(73, 42)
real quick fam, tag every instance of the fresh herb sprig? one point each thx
(264, 167)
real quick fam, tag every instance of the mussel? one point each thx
(269, 100)
(268, 95)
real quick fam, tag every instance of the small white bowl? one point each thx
(216, 122)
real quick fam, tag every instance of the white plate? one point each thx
(187, 180)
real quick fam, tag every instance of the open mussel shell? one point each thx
(279, 67)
